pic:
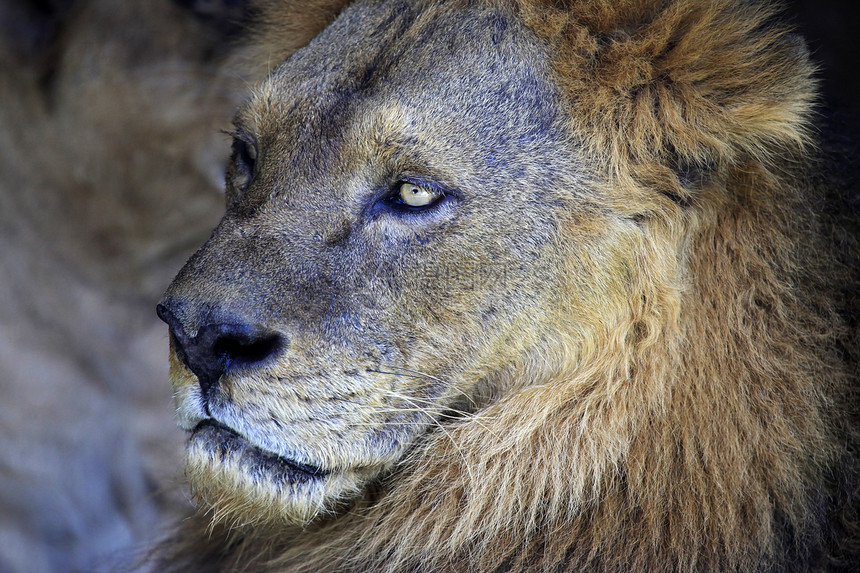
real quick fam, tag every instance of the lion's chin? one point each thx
(239, 483)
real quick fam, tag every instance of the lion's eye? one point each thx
(411, 199)
(244, 163)
(418, 195)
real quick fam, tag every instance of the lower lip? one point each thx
(224, 442)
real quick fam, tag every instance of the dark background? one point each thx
(832, 31)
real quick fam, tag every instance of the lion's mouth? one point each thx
(225, 442)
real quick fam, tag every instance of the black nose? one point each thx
(220, 346)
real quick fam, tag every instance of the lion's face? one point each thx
(407, 222)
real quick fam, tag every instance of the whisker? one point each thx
(424, 375)
(429, 411)
(451, 439)
(418, 373)
(398, 374)
(432, 408)
(437, 411)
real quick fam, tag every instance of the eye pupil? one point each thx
(418, 195)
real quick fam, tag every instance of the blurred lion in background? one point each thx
(112, 158)
(111, 169)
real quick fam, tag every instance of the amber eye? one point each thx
(418, 195)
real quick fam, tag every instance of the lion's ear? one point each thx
(679, 83)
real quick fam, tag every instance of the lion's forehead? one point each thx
(392, 69)
(377, 36)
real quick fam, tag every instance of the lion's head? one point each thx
(400, 245)
(479, 249)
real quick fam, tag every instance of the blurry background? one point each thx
(111, 162)
(111, 166)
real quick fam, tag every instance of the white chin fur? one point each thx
(190, 409)
(242, 486)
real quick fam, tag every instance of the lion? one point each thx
(524, 285)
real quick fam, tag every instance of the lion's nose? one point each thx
(218, 347)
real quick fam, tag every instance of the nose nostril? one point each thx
(243, 350)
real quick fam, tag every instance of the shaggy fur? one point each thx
(683, 393)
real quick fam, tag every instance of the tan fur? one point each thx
(677, 393)
(287, 26)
